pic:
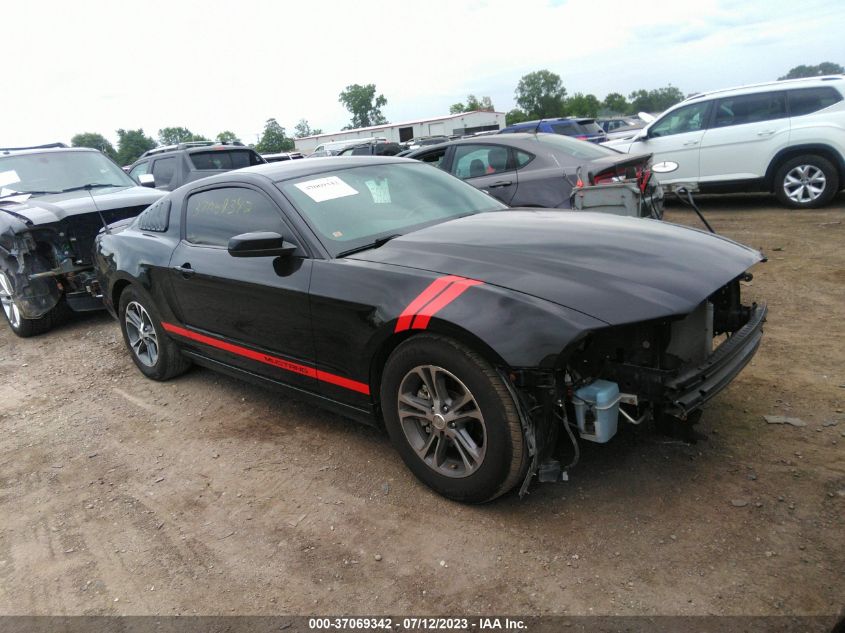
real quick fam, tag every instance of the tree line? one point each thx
(538, 95)
(132, 143)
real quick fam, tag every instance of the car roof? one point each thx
(785, 84)
(289, 169)
(562, 119)
(45, 150)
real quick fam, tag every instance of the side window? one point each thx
(807, 100)
(434, 158)
(690, 118)
(139, 170)
(364, 150)
(522, 158)
(764, 106)
(213, 216)
(156, 217)
(472, 161)
(164, 169)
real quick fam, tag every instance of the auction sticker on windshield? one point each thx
(8, 177)
(322, 189)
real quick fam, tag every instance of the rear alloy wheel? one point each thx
(153, 352)
(806, 182)
(20, 325)
(452, 419)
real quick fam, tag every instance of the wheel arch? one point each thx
(437, 327)
(821, 149)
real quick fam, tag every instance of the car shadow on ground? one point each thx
(742, 202)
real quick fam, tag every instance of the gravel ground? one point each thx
(206, 495)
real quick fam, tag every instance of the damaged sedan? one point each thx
(483, 338)
(53, 201)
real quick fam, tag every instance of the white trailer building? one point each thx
(463, 123)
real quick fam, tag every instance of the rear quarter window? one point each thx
(224, 159)
(808, 100)
(156, 217)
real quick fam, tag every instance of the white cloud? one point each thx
(99, 65)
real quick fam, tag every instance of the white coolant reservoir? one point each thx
(597, 410)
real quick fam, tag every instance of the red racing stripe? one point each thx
(433, 289)
(267, 359)
(455, 290)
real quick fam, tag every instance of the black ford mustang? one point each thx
(393, 292)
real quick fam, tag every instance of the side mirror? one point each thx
(262, 244)
(147, 180)
(642, 135)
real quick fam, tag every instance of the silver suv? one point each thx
(786, 137)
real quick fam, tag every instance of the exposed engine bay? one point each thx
(658, 372)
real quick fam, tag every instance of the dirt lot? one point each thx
(205, 495)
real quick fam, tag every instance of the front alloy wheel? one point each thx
(20, 325)
(10, 308)
(452, 419)
(442, 421)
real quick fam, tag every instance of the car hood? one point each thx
(54, 207)
(616, 269)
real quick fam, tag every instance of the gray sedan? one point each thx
(533, 170)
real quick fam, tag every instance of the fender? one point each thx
(827, 151)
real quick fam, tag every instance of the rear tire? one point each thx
(151, 349)
(20, 325)
(806, 182)
(464, 440)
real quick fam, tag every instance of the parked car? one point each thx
(333, 148)
(621, 127)
(378, 148)
(394, 293)
(280, 156)
(172, 166)
(537, 170)
(785, 137)
(53, 201)
(421, 141)
(582, 129)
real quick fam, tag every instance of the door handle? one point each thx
(766, 133)
(690, 143)
(185, 270)
(501, 183)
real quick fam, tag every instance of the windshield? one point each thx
(353, 207)
(53, 172)
(574, 147)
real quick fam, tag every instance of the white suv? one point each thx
(787, 137)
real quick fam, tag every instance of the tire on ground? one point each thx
(827, 168)
(505, 461)
(170, 362)
(27, 327)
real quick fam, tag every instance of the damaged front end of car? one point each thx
(659, 371)
(46, 263)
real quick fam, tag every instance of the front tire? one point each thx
(452, 419)
(152, 350)
(20, 325)
(806, 182)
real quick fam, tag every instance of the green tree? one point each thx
(473, 104)
(131, 144)
(227, 136)
(582, 105)
(515, 116)
(364, 105)
(174, 135)
(540, 94)
(656, 100)
(825, 68)
(303, 129)
(273, 139)
(616, 103)
(97, 141)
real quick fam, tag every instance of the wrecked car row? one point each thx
(481, 337)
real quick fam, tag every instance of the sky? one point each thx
(96, 66)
